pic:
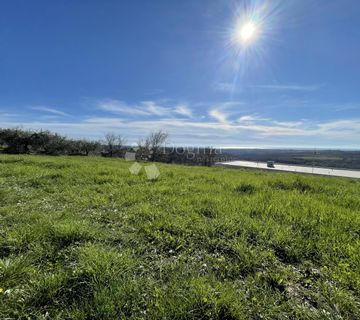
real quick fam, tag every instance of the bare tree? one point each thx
(150, 147)
(154, 142)
(114, 142)
(120, 141)
(143, 149)
(110, 141)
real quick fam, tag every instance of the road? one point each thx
(291, 168)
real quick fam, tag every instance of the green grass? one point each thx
(81, 238)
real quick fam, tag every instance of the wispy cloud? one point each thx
(224, 87)
(9, 115)
(223, 110)
(230, 87)
(183, 110)
(221, 123)
(49, 110)
(252, 118)
(343, 132)
(116, 106)
(346, 107)
(144, 108)
(288, 87)
(290, 124)
(156, 109)
(247, 118)
(218, 115)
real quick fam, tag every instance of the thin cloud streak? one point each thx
(332, 130)
(289, 87)
(184, 110)
(144, 108)
(116, 106)
(223, 122)
(218, 115)
(49, 110)
(228, 87)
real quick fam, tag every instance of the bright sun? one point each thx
(246, 32)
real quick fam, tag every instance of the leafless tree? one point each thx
(143, 149)
(154, 142)
(114, 142)
(150, 147)
(120, 141)
(110, 141)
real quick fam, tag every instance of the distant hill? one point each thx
(319, 158)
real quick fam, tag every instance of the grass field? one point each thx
(82, 238)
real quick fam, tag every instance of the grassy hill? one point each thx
(82, 238)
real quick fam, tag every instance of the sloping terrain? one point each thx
(82, 238)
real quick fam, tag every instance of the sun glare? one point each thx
(246, 32)
(250, 31)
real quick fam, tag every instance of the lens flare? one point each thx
(246, 32)
(248, 36)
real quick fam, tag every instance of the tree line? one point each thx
(151, 148)
(21, 141)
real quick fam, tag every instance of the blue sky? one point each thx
(85, 67)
